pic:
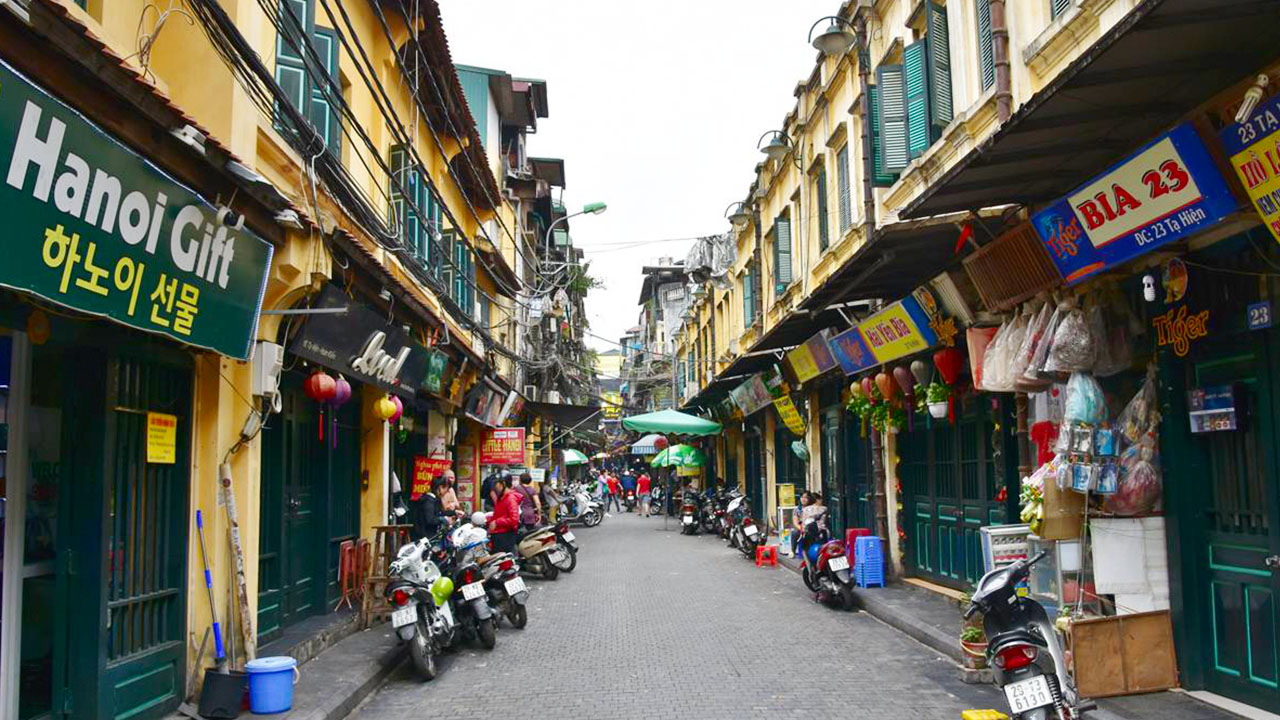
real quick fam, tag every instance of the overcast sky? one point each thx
(655, 108)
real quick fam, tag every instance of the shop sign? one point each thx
(502, 446)
(611, 405)
(751, 395)
(899, 330)
(1165, 191)
(424, 470)
(488, 406)
(786, 495)
(95, 227)
(789, 414)
(1178, 327)
(1254, 149)
(465, 473)
(851, 351)
(360, 344)
(162, 438)
(812, 358)
(537, 475)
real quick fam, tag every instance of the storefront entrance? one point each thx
(94, 560)
(753, 473)
(951, 477)
(310, 505)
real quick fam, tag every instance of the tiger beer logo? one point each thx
(1178, 328)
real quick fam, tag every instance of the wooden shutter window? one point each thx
(1057, 7)
(748, 302)
(824, 232)
(986, 45)
(781, 254)
(892, 120)
(881, 177)
(916, 89)
(398, 185)
(842, 180)
(323, 112)
(939, 67)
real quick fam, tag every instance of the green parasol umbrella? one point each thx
(671, 421)
(685, 456)
(662, 459)
(573, 457)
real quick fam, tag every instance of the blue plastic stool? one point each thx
(271, 681)
(868, 567)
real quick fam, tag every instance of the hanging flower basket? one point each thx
(938, 410)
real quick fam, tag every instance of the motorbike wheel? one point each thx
(487, 631)
(572, 562)
(846, 597)
(809, 581)
(424, 660)
(709, 526)
(550, 572)
(518, 615)
(592, 518)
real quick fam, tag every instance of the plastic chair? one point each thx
(767, 554)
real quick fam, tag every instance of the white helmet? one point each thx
(478, 519)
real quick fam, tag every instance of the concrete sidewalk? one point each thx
(933, 620)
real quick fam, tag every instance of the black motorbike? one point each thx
(470, 600)
(1023, 649)
(690, 513)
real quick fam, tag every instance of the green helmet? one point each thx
(441, 589)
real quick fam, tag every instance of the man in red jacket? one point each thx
(505, 523)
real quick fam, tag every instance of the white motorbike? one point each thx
(577, 506)
(419, 596)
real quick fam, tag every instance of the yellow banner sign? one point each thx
(789, 414)
(162, 438)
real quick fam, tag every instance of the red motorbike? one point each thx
(824, 566)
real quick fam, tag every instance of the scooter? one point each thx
(689, 511)
(459, 557)
(749, 535)
(577, 506)
(567, 543)
(824, 567)
(707, 516)
(507, 591)
(422, 615)
(629, 500)
(1022, 647)
(540, 552)
(726, 506)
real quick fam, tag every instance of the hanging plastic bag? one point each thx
(1035, 371)
(1022, 361)
(1140, 487)
(1116, 346)
(994, 365)
(1074, 349)
(1085, 401)
(1009, 351)
(978, 340)
(1141, 417)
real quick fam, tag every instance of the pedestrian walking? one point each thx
(644, 486)
(615, 490)
(504, 526)
(530, 503)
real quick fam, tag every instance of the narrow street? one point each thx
(657, 624)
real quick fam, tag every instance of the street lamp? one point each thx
(594, 208)
(833, 41)
(777, 147)
(739, 215)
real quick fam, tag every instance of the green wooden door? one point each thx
(1231, 485)
(754, 475)
(858, 473)
(951, 475)
(146, 548)
(833, 487)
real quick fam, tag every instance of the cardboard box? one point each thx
(1063, 513)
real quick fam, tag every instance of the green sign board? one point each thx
(92, 225)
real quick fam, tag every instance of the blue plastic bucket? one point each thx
(271, 681)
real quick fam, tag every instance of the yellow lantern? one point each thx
(384, 408)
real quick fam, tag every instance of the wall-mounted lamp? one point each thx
(777, 147)
(738, 215)
(834, 41)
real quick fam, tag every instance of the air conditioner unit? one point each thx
(553, 396)
(530, 392)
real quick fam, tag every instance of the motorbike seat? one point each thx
(1016, 635)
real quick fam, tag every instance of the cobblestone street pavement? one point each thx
(655, 624)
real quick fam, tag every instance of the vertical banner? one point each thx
(466, 474)
(1254, 149)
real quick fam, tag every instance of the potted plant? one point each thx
(937, 396)
(973, 641)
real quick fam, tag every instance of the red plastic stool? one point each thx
(851, 539)
(767, 554)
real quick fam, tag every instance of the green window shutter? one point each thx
(473, 286)
(986, 45)
(412, 230)
(398, 186)
(824, 232)
(916, 88)
(892, 119)
(323, 111)
(460, 272)
(1057, 7)
(291, 71)
(781, 254)
(881, 177)
(445, 272)
(842, 180)
(748, 302)
(939, 68)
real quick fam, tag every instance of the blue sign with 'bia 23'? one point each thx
(1166, 190)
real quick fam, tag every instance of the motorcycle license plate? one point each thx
(688, 519)
(750, 530)
(514, 586)
(838, 563)
(473, 591)
(568, 537)
(405, 616)
(1028, 694)
(557, 556)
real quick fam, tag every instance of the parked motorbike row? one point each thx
(451, 588)
(726, 513)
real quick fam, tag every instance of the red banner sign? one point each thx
(503, 446)
(424, 469)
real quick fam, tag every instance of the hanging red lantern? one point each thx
(886, 385)
(320, 386)
(867, 386)
(660, 443)
(907, 383)
(950, 363)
